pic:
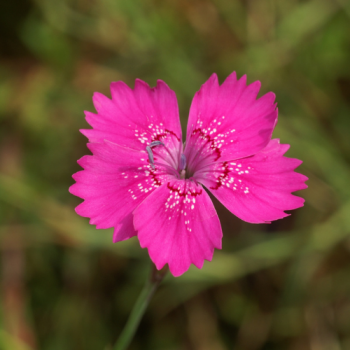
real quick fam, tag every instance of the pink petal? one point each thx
(228, 121)
(135, 118)
(179, 226)
(115, 180)
(257, 189)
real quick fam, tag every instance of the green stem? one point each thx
(139, 308)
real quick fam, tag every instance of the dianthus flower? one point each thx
(143, 181)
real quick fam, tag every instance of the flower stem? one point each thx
(140, 307)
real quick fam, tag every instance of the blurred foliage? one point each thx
(64, 285)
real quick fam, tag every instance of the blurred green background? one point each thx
(64, 284)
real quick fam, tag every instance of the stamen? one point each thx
(150, 153)
(182, 162)
(150, 156)
(156, 143)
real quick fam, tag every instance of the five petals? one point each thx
(142, 191)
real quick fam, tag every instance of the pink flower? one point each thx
(143, 181)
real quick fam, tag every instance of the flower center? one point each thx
(178, 168)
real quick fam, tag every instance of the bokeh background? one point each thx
(64, 284)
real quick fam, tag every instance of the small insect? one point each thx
(150, 153)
